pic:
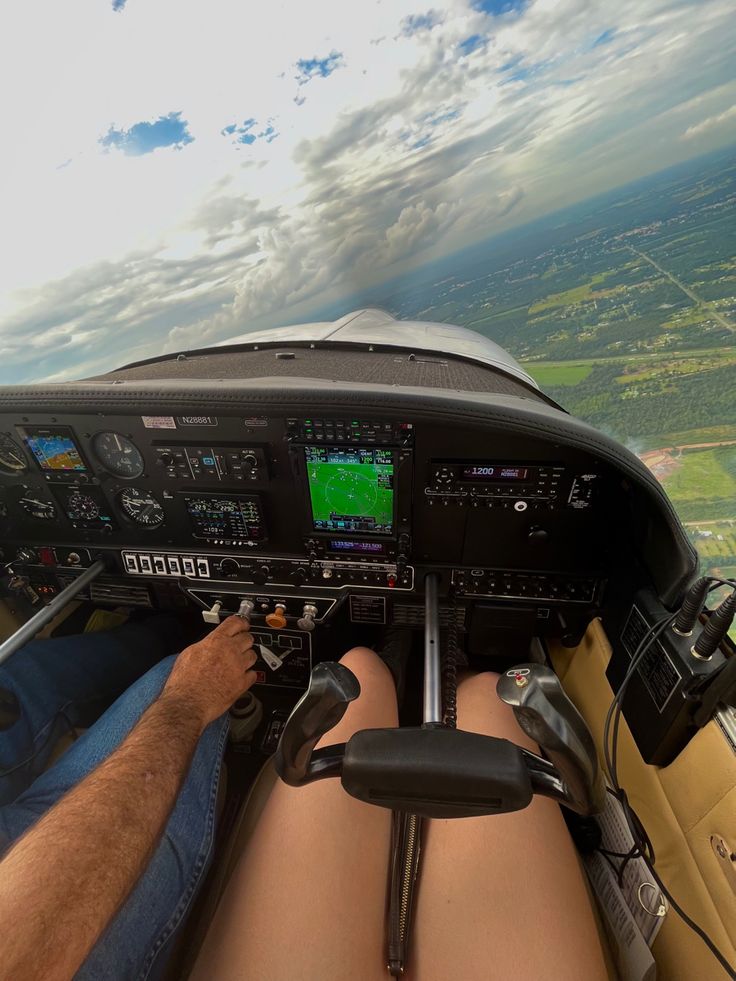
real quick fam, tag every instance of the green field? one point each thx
(704, 475)
(351, 490)
(558, 374)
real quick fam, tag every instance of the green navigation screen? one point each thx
(351, 489)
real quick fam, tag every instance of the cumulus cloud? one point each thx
(405, 131)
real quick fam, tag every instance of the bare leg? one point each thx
(308, 897)
(502, 896)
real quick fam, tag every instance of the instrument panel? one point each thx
(296, 510)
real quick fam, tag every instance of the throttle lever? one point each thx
(332, 687)
(547, 715)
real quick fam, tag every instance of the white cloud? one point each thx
(711, 124)
(407, 150)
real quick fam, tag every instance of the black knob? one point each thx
(166, 459)
(229, 567)
(537, 536)
(261, 575)
(298, 575)
(250, 460)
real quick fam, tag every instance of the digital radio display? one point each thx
(370, 548)
(226, 519)
(496, 472)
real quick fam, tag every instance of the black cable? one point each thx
(449, 672)
(636, 828)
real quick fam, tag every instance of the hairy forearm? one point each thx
(64, 880)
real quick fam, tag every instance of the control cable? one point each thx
(642, 843)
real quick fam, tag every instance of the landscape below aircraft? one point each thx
(371, 481)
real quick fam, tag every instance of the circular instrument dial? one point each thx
(118, 455)
(82, 507)
(12, 460)
(38, 505)
(140, 507)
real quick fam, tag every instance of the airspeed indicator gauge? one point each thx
(140, 507)
(118, 455)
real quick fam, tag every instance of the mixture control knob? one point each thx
(213, 614)
(250, 459)
(277, 619)
(246, 608)
(229, 567)
(306, 620)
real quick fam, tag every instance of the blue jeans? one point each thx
(58, 680)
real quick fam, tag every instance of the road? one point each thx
(688, 292)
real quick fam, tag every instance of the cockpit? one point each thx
(346, 484)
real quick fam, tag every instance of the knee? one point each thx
(365, 663)
(480, 685)
(376, 706)
(481, 710)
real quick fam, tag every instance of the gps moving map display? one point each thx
(226, 520)
(351, 489)
(54, 450)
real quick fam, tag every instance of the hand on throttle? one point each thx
(213, 673)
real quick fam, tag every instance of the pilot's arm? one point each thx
(64, 880)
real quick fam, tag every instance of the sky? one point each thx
(173, 172)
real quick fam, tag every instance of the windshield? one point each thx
(559, 177)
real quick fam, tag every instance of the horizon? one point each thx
(206, 192)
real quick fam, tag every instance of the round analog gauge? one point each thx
(12, 460)
(38, 505)
(81, 507)
(118, 455)
(141, 507)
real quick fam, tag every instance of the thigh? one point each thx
(68, 681)
(502, 896)
(308, 897)
(136, 944)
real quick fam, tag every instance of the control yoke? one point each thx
(436, 771)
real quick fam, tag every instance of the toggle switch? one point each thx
(277, 619)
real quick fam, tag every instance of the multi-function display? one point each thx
(54, 450)
(226, 520)
(351, 489)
